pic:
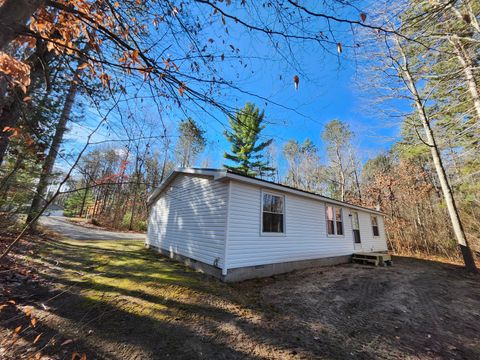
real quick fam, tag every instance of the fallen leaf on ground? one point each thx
(66, 342)
(37, 338)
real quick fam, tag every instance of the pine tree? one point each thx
(244, 137)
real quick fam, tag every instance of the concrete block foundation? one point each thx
(252, 272)
(259, 271)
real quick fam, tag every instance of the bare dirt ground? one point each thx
(116, 300)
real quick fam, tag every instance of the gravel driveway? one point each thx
(62, 226)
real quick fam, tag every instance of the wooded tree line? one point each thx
(59, 57)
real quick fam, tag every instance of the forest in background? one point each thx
(71, 61)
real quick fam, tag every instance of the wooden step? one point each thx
(372, 258)
(365, 261)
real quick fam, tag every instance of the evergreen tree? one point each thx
(244, 137)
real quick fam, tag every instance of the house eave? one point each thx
(215, 173)
(221, 174)
(285, 189)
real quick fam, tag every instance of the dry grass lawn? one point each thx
(117, 300)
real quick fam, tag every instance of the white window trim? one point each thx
(284, 233)
(334, 221)
(371, 226)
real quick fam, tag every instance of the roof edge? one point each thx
(298, 192)
(218, 174)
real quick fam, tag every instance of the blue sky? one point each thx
(327, 90)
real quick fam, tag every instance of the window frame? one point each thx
(377, 226)
(334, 207)
(268, 233)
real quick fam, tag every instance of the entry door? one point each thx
(357, 241)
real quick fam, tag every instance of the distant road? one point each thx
(64, 227)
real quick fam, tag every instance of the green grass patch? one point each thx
(128, 276)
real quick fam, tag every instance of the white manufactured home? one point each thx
(237, 227)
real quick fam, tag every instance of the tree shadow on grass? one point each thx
(203, 312)
(135, 263)
(141, 304)
(103, 331)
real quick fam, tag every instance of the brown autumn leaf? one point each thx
(339, 48)
(83, 66)
(296, 80)
(33, 321)
(181, 89)
(17, 329)
(37, 338)
(15, 133)
(18, 71)
(81, 357)
(38, 356)
(363, 17)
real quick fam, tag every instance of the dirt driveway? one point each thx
(116, 300)
(62, 226)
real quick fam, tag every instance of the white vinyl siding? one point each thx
(304, 236)
(370, 242)
(220, 223)
(189, 218)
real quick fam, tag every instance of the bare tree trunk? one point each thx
(135, 199)
(54, 148)
(14, 14)
(5, 182)
(439, 168)
(9, 113)
(135, 188)
(341, 170)
(84, 199)
(473, 17)
(467, 67)
(342, 185)
(165, 159)
(11, 105)
(357, 184)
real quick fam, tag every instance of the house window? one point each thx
(375, 226)
(272, 213)
(334, 220)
